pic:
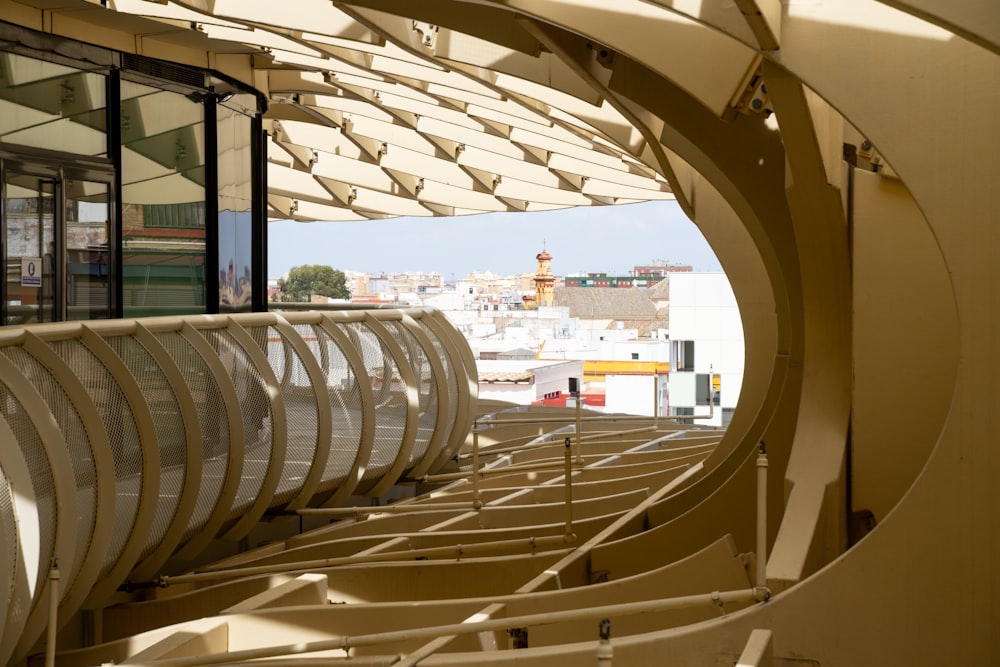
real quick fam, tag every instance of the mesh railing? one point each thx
(213, 428)
(132, 442)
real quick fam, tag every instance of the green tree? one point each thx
(309, 279)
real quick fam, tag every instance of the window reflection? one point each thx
(45, 105)
(163, 202)
(235, 204)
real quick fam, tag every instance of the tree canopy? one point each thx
(306, 280)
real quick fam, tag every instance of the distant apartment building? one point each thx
(391, 287)
(419, 283)
(641, 276)
(706, 348)
(660, 269)
(364, 286)
(526, 382)
(491, 283)
(525, 282)
(604, 280)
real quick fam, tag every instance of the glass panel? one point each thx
(87, 222)
(163, 202)
(702, 388)
(235, 205)
(52, 106)
(29, 248)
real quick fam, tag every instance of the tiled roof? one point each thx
(661, 290)
(506, 376)
(608, 303)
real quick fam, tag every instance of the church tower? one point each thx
(544, 280)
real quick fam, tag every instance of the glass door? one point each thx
(57, 228)
(29, 248)
(88, 263)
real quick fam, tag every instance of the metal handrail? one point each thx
(346, 642)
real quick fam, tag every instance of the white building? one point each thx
(706, 347)
(526, 382)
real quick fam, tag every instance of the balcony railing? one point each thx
(128, 443)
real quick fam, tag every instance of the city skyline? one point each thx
(608, 239)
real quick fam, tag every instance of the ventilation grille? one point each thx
(159, 69)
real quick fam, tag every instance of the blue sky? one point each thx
(610, 239)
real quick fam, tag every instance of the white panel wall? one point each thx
(682, 390)
(521, 394)
(703, 307)
(632, 394)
